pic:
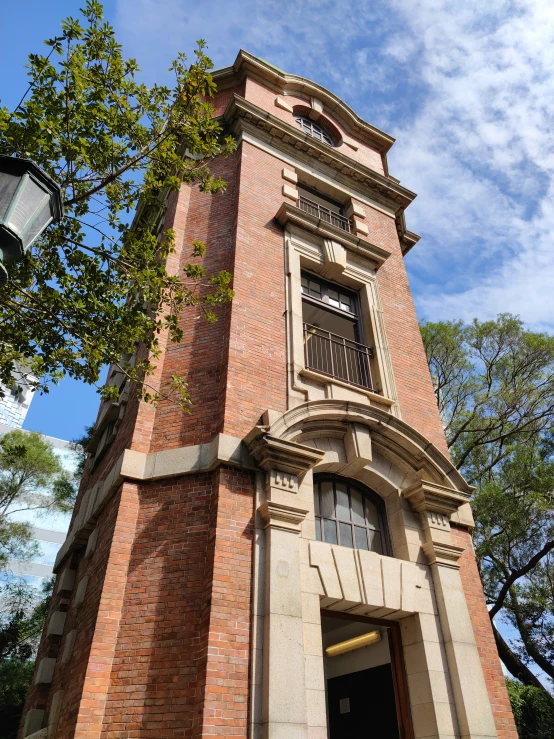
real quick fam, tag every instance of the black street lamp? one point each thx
(29, 201)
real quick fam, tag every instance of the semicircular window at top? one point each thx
(349, 515)
(313, 129)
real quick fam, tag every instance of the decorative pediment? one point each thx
(316, 96)
(396, 440)
(318, 101)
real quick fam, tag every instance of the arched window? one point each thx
(349, 515)
(313, 129)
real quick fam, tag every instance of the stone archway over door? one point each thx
(301, 574)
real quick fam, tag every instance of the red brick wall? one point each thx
(411, 371)
(201, 356)
(223, 681)
(152, 690)
(84, 679)
(236, 368)
(496, 683)
(180, 664)
(256, 374)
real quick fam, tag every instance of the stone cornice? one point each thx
(137, 466)
(242, 112)
(408, 239)
(272, 453)
(289, 213)
(429, 496)
(284, 517)
(248, 65)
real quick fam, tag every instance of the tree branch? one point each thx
(516, 574)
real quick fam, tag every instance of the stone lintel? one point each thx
(430, 496)
(66, 580)
(45, 670)
(284, 517)
(272, 453)
(289, 175)
(355, 209)
(316, 108)
(56, 623)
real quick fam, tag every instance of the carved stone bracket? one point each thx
(443, 554)
(430, 496)
(335, 259)
(272, 453)
(279, 516)
(436, 503)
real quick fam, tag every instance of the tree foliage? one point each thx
(95, 286)
(22, 618)
(533, 711)
(31, 480)
(494, 383)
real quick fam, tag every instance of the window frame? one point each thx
(371, 495)
(353, 316)
(325, 137)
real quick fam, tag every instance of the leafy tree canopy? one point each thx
(31, 479)
(494, 383)
(93, 287)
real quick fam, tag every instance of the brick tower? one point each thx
(293, 559)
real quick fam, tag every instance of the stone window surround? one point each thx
(332, 261)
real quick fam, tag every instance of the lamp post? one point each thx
(29, 201)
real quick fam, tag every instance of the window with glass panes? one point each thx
(346, 515)
(313, 129)
(328, 293)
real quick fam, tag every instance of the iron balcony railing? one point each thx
(319, 211)
(337, 357)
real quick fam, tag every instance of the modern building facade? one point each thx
(15, 403)
(292, 559)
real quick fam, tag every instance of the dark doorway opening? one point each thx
(365, 686)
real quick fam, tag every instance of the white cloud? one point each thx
(480, 154)
(467, 89)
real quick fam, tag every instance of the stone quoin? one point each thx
(308, 499)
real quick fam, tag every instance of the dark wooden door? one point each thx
(362, 705)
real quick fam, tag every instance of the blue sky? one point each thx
(466, 88)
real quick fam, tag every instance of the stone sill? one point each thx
(289, 213)
(375, 397)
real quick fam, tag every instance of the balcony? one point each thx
(325, 214)
(335, 356)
